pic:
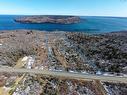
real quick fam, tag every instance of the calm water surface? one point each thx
(88, 24)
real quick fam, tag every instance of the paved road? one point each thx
(66, 74)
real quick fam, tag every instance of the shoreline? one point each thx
(52, 31)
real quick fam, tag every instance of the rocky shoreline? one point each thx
(49, 19)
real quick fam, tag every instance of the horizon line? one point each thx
(63, 15)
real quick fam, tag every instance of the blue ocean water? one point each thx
(91, 24)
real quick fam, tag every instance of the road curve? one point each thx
(67, 74)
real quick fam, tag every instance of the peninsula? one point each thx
(49, 19)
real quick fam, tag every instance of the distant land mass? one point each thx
(49, 19)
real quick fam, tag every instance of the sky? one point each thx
(64, 7)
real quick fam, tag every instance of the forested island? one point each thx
(49, 19)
